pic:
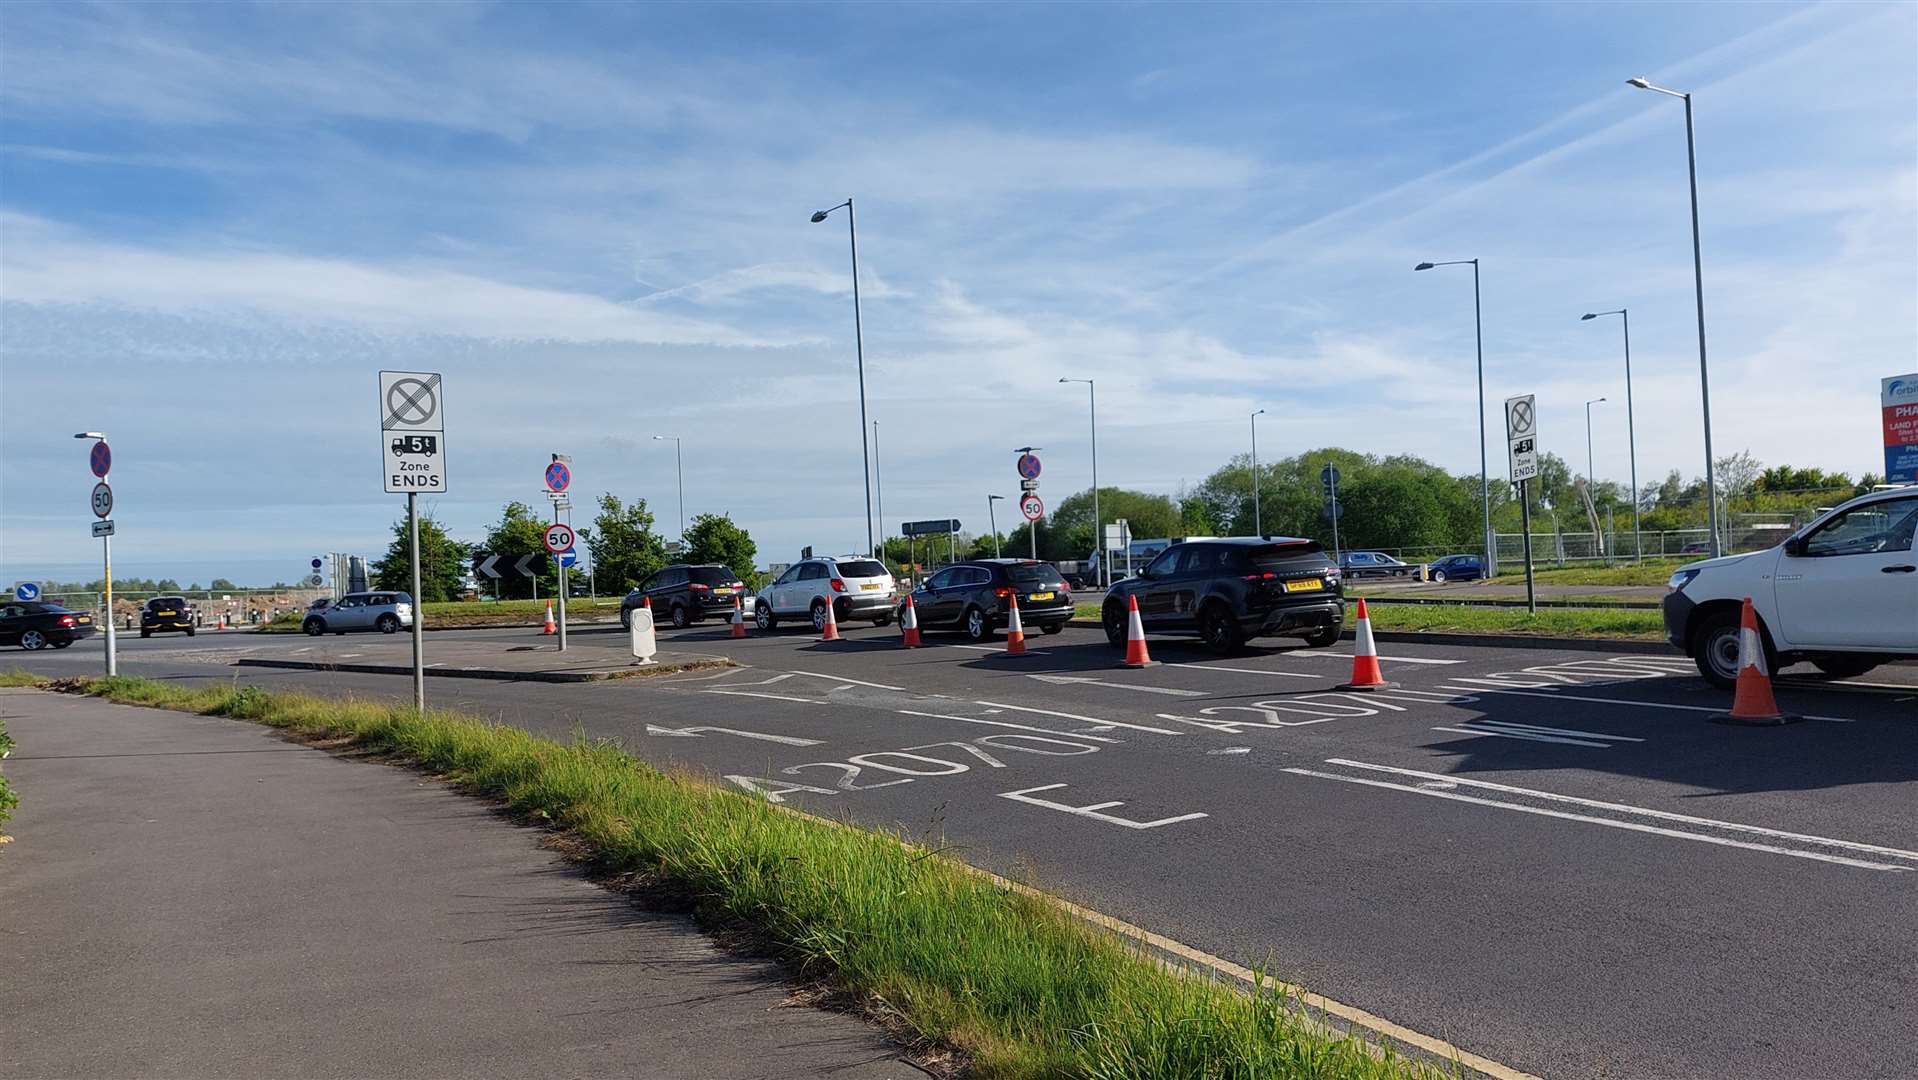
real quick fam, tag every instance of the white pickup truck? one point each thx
(1842, 592)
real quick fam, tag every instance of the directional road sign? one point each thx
(489, 565)
(1521, 434)
(26, 590)
(101, 458)
(102, 500)
(103, 528)
(1329, 480)
(317, 563)
(559, 538)
(569, 557)
(929, 528)
(1032, 507)
(413, 431)
(1029, 466)
(558, 476)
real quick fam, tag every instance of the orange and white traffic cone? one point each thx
(739, 618)
(223, 620)
(1135, 654)
(909, 625)
(1752, 701)
(1015, 630)
(832, 625)
(646, 602)
(1365, 658)
(551, 626)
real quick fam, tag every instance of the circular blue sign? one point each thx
(558, 476)
(26, 590)
(101, 458)
(316, 564)
(1029, 466)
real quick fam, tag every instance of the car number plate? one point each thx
(1308, 585)
(164, 614)
(722, 592)
(1040, 596)
(871, 587)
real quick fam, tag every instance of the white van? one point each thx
(1841, 592)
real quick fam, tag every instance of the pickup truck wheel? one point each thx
(1715, 648)
(1844, 665)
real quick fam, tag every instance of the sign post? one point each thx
(1329, 479)
(413, 437)
(100, 460)
(1899, 398)
(559, 541)
(1521, 436)
(559, 477)
(1034, 508)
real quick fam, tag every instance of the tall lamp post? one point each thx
(1698, 292)
(859, 345)
(879, 493)
(106, 556)
(1257, 530)
(1631, 427)
(1590, 477)
(993, 519)
(1098, 526)
(1484, 472)
(679, 467)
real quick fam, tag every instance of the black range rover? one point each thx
(1232, 589)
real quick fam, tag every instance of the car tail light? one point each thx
(1267, 576)
(66, 620)
(697, 587)
(838, 585)
(1002, 593)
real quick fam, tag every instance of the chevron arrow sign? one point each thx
(486, 564)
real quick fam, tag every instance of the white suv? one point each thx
(857, 587)
(1841, 592)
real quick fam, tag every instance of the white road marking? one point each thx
(1068, 680)
(1229, 750)
(770, 697)
(1246, 670)
(1497, 733)
(1626, 808)
(1386, 659)
(1631, 826)
(696, 732)
(1003, 723)
(1556, 695)
(855, 682)
(1542, 730)
(1092, 811)
(1098, 724)
(995, 648)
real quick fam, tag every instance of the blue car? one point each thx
(1455, 568)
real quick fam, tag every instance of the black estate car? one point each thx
(35, 624)
(683, 594)
(165, 613)
(976, 597)
(1233, 589)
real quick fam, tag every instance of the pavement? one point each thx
(195, 897)
(1549, 857)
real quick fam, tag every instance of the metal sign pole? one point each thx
(561, 559)
(113, 658)
(419, 604)
(1525, 526)
(1335, 516)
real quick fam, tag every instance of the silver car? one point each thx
(857, 588)
(387, 612)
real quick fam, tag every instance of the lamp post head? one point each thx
(1423, 266)
(1587, 317)
(1261, 412)
(90, 435)
(818, 216)
(1641, 82)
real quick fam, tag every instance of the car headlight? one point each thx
(1680, 579)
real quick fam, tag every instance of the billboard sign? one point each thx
(1898, 396)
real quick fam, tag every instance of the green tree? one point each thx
(623, 545)
(442, 563)
(519, 532)
(714, 538)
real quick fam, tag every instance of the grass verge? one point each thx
(478, 613)
(1635, 623)
(1013, 984)
(1649, 572)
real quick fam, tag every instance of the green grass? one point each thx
(1649, 572)
(478, 613)
(1013, 983)
(1550, 622)
(8, 798)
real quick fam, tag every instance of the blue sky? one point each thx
(218, 222)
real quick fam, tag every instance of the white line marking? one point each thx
(1246, 670)
(770, 697)
(1092, 811)
(1229, 750)
(1498, 734)
(1663, 815)
(1632, 826)
(696, 732)
(1093, 720)
(855, 682)
(1079, 680)
(1555, 695)
(1387, 659)
(1574, 733)
(1004, 723)
(995, 648)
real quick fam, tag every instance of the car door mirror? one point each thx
(1795, 547)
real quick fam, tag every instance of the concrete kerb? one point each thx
(662, 667)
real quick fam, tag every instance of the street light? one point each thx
(1098, 526)
(879, 490)
(1484, 471)
(993, 518)
(1631, 427)
(1591, 478)
(1698, 292)
(106, 557)
(679, 466)
(859, 345)
(1256, 529)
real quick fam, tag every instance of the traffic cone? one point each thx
(551, 626)
(1015, 630)
(1135, 654)
(1365, 659)
(909, 625)
(739, 618)
(1752, 701)
(832, 625)
(646, 602)
(223, 620)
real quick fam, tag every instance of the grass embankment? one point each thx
(1649, 572)
(1463, 619)
(1017, 986)
(8, 798)
(481, 613)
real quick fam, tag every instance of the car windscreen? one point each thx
(861, 568)
(713, 575)
(1037, 576)
(165, 602)
(1293, 556)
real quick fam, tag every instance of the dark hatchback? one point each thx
(976, 597)
(35, 624)
(1455, 568)
(1232, 589)
(166, 613)
(684, 594)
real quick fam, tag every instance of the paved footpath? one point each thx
(190, 896)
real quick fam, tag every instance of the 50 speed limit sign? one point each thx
(102, 500)
(1032, 507)
(559, 538)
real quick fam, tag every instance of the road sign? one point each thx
(412, 431)
(1334, 510)
(569, 557)
(103, 528)
(1029, 466)
(559, 538)
(102, 500)
(489, 565)
(315, 581)
(101, 458)
(317, 563)
(1028, 485)
(26, 590)
(1118, 535)
(1032, 507)
(1521, 434)
(929, 528)
(563, 459)
(1898, 398)
(558, 476)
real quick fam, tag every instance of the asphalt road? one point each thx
(1550, 858)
